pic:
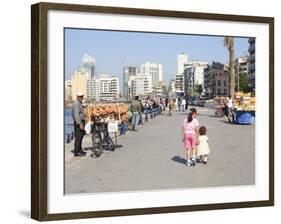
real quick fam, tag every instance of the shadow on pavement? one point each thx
(226, 122)
(207, 115)
(179, 159)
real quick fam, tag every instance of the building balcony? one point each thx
(251, 40)
(252, 58)
(252, 67)
(251, 76)
(252, 48)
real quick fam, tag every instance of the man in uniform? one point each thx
(78, 116)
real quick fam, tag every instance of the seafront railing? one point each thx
(145, 117)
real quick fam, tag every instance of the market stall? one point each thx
(115, 111)
(219, 105)
(244, 108)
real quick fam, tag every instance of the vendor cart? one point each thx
(219, 106)
(244, 108)
(104, 119)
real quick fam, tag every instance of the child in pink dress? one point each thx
(190, 136)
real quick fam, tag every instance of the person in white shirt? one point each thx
(230, 113)
(183, 103)
(176, 104)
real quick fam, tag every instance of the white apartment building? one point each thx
(194, 76)
(182, 61)
(108, 87)
(154, 70)
(179, 77)
(139, 80)
(141, 85)
(93, 89)
(105, 88)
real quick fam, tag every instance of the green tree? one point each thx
(199, 89)
(244, 84)
(229, 44)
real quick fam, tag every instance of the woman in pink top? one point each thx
(190, 136)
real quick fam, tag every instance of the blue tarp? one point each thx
(245, 117)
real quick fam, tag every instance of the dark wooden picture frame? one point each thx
(39, 106)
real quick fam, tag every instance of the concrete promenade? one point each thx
(154, 158)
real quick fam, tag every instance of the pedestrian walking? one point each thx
(166, 103)
(179, 104)
(161, 104)
(224, 107)
(79, 116)
(183, 104)
(171, 106)
(186, 103)
(203, 147)
(176, 104)
(190, 137)
(135, 109)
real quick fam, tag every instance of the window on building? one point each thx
(219, 91)
(219, 82)
(224, 83)
(224, 91)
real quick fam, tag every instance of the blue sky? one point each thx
(114, 49)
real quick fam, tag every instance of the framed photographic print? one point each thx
(141, 111)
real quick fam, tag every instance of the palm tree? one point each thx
(229, 44)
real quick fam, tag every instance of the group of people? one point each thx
(195, 140)
(181, 104)
(139, 106)
(193, 136)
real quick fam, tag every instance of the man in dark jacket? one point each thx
(79, 117)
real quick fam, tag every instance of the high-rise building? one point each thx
(252, 61)
(154, 70)
(79, 83)
(145, 77)
(179, 77)
(89, 65)
(182, 61)
(128, 72)
(108, 87)
(105, 88)
(68, 90)
(194, 77)
(93, 89)
(141, 85)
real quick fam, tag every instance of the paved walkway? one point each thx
(154, 158)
